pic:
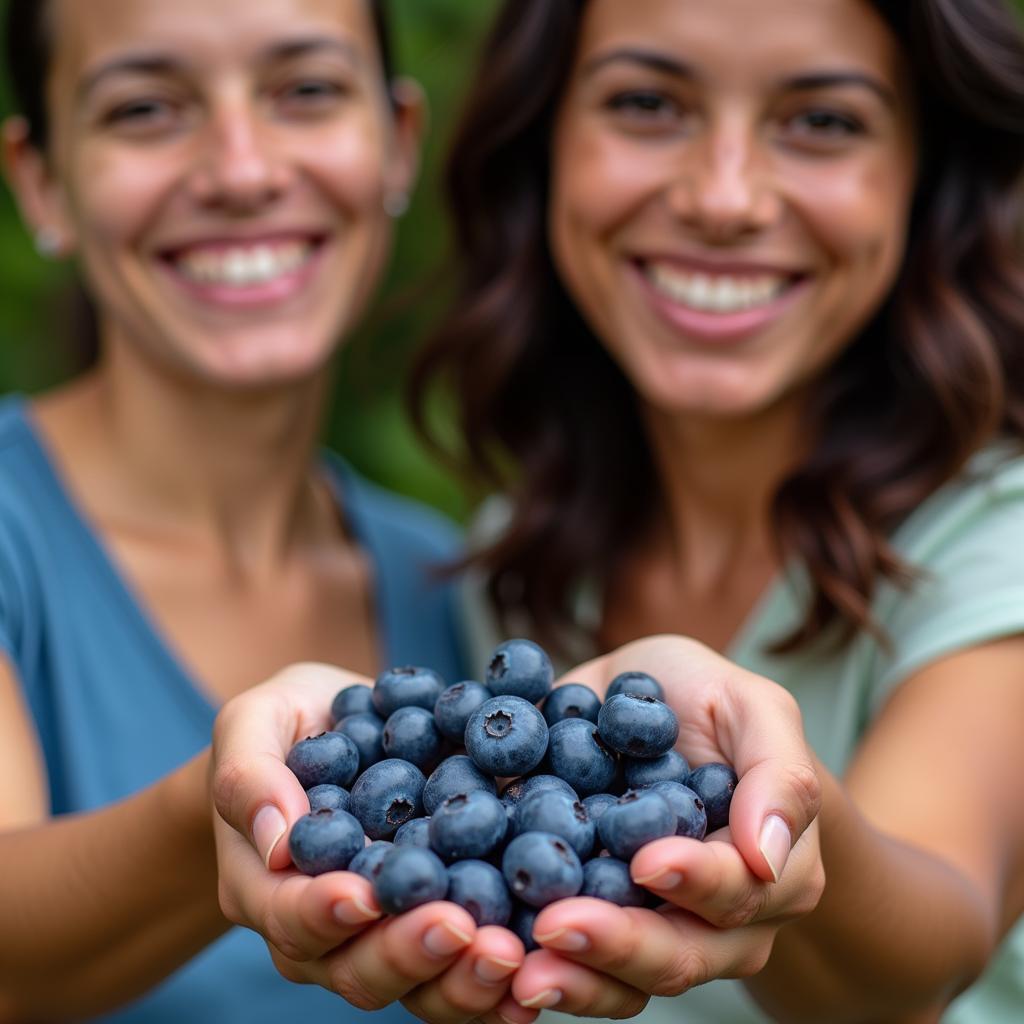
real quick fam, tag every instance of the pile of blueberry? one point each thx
(404, 789)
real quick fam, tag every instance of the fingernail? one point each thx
(267, 829)
(543, 1000)
(567, 939)
(354, 911)
(775, 843)
(666, 878)
(444, 939)
(492, 969)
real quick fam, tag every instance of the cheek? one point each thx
(861, 219)
(350, 167)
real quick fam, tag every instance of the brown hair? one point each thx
(546, 415)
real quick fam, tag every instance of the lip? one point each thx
(700, 263)
(218, 243)
(720, 328)
(256, 295)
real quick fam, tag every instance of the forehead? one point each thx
(746, 39)
(88, 33)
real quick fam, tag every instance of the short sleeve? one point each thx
(969, 551)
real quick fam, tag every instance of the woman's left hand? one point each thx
(727, 896)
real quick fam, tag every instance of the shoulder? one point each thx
(391, 519)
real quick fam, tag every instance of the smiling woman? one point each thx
(738, 342)
(225, 176)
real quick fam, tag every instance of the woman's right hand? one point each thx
(328, 930)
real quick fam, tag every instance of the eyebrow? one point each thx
(805, 82)
(166, 64)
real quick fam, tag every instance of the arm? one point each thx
(111, 901)
(923, 846)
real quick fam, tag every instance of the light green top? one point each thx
(967, 539)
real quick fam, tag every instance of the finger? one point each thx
(253, 789)
(779, 791)
(663, 953)
(711, 880)
(547, 981)
(508, 1011)
(396, 955)
(475, 984)
(303, 917)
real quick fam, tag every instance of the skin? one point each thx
(191, 450)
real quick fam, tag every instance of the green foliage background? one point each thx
(435, 42)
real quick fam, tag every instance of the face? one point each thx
(221, 170)
(731, 186)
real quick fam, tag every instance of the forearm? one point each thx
(897, 932)
(110, 902)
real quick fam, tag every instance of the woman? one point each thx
(738, 333)
(169, 534)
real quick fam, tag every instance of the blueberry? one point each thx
(639, 817)
(519, 789)
(577, 753)
(521, 924)
(406, 687)
(573, 700)
(637, 725)
(520, 668)
(540, 868)
(365, 729)
(635, 682)
(597, 803)
(456, 774)
(353, 700)
(480, 888)
(415, 832)
(329, 757)
(368, 860)
(328, 797)
(559, 814)
(714, 784)
(607, 878)
(453, 708)
(506, 736)
(386, 796)
(691, 817)
(670, 767)
(410, 734)
(325, 840)
(468, 825)
(408, 877)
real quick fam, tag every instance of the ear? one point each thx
(38, 195)
(409, 114)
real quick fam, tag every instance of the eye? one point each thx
(647, 104)
(822, 123)
(141, 111)
(311, 94)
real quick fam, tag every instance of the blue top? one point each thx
(97, 677)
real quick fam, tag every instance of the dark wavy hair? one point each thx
(545, 415)
(27, 55)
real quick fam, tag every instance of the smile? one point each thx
(243, 266)
(715, 293)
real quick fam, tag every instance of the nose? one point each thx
(723, 188)
(240, 166)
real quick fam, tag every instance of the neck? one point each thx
(228, 470)
(718, 479)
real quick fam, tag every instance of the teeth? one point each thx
(243, 266)
(721, 293)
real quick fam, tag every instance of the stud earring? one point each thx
(48, 242)
(395, 204)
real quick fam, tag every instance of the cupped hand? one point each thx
(329, 930)
(725, 897)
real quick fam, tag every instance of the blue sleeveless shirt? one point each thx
(115, 711)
